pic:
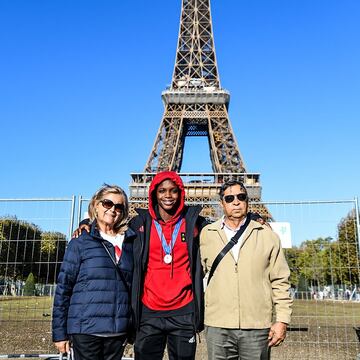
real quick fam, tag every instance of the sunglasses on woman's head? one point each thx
(108, 204)
(230, 198)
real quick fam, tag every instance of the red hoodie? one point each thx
(167, 286)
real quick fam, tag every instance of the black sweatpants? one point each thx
(177, 332)
(90, 347)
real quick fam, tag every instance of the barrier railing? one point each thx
(323, 257)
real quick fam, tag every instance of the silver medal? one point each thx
(167, 259)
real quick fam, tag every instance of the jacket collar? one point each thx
(142, 212)
(217, 226)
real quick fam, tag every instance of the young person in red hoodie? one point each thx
(167, 291)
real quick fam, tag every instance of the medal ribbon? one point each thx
(168, 247)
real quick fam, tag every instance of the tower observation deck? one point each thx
(196, 105)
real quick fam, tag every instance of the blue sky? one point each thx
(80, 85)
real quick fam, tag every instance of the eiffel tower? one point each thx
(196, 105)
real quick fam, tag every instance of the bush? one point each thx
(29, 288)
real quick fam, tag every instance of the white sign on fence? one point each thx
(283, 230)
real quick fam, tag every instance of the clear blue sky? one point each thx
(80, 85)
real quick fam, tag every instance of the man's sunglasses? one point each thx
(230, 198)
(108, 204)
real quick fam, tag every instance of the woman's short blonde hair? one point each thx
(122, 224)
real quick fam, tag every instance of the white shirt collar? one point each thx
(223, 224)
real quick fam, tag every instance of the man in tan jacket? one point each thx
(250, 280)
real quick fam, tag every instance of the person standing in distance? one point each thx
(251, 279)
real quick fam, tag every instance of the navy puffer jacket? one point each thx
(90, 296)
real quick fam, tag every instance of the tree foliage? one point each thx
(314, 262)
(292, 256)
(25, 249)
(52, 250)
(19, 247)
(348, 250)
(323, 261)
(2, 236)
(29, 288)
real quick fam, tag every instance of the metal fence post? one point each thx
(72, 214)
(79, 209)
(357, 219)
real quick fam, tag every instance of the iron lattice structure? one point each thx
(196, 105)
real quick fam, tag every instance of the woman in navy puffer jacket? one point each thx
(92, 302)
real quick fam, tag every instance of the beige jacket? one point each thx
(243, 291)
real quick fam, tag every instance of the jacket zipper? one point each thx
(196, 308)
(140, 276)
(238, 291)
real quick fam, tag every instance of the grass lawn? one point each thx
(325, 313)
(22, 308)
(319, 329)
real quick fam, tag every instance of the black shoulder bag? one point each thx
(131, 329)
(117, 268)
(234, 240)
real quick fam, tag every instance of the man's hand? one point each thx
(63, 346)
(78, 231)
(277, 333)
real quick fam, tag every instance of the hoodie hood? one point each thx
(159, 178)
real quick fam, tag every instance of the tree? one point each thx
(347, 251)
(2, 236)
(313, 261)
(323, 261)
(52, 249)
(19, 244)
(25, 249)
(292, 258)
(29, 288)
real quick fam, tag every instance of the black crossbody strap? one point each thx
(117, 268)
(234, 240)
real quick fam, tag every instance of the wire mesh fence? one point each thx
(321, 245)
(33, 238)
(324, 264)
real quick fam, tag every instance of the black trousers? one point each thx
(90, 347)
(177, 332)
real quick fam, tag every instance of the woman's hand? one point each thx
(63, 346)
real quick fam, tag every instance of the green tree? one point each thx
(323, 261)
(52, 249)
(346, 251)
(2, 236)
(48, 242)
(25, 249)
(19, 245)
(313, 261)
(292, 258)
(303, 284)
(29, 288)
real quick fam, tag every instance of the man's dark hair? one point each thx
(230, 183)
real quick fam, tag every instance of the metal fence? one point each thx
(321, 241)
(33, 238)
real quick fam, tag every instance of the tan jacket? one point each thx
(242, 292)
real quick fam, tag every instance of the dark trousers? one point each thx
(90, 347)
(177, 332)
(235, 344)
